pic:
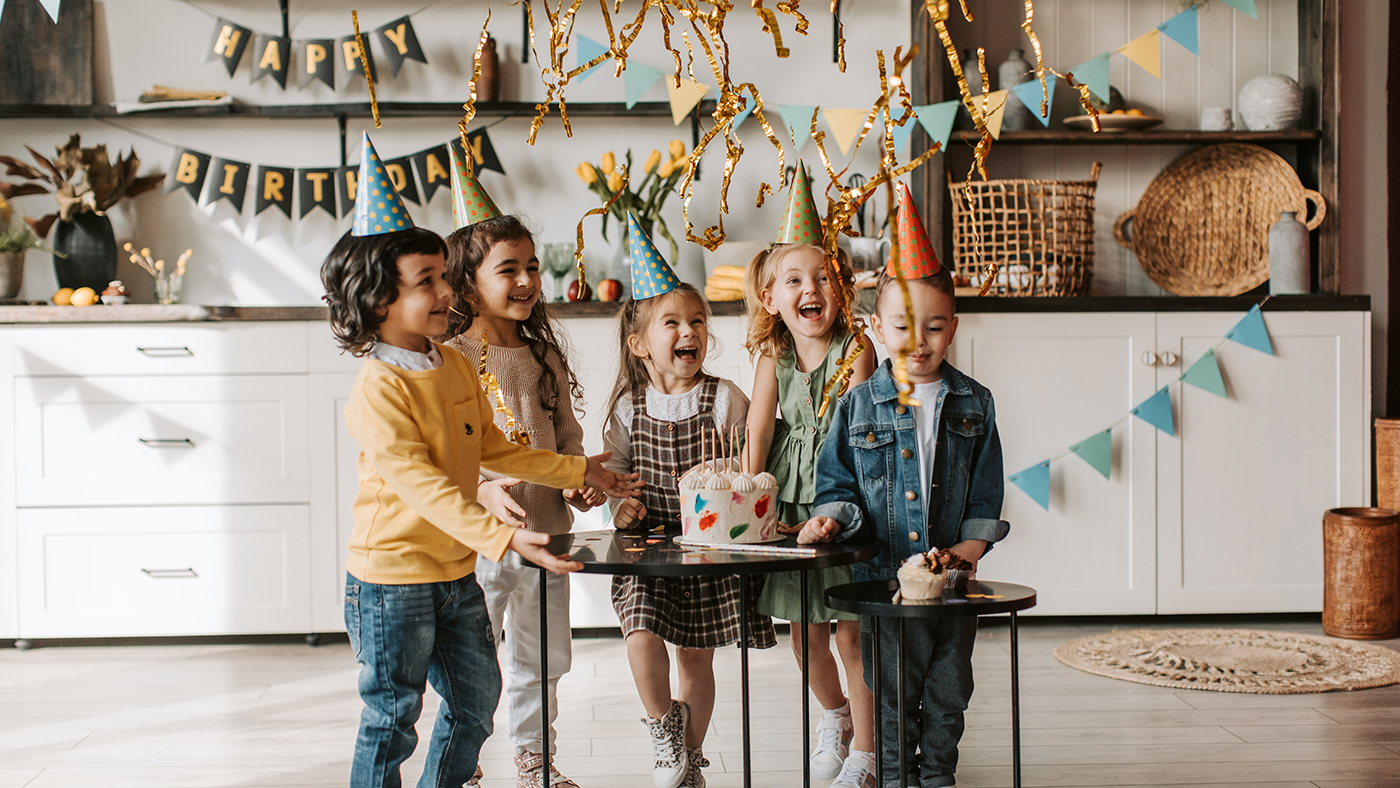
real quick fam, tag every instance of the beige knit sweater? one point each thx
(519, 376)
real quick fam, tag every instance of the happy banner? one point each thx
(315, 59)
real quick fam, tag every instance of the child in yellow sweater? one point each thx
(413, 607)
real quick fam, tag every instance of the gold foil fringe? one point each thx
(469, 108)
(493, 391)
(364, 61)
(578, 250)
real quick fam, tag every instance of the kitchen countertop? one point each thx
(188, 313)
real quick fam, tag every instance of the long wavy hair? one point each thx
(361, 277)
(633, 319)
(768, 335)
(467, 248)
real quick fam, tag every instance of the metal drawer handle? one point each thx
(169, 574)
(1168, 358)
(174, 443)
(165, 352)
(1149, 358)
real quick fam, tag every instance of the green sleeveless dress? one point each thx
(797, 441)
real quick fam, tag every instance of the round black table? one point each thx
(651, 555)
(875, 598)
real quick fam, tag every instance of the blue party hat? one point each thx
(378, 209)
(651, 276)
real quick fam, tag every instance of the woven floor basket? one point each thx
(1039, 233)
(1202, 226)
(1388, 463)
(1361, 573)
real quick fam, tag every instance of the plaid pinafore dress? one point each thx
(690, 612)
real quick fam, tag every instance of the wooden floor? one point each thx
(285, 715)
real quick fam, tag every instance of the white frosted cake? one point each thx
(722, 507)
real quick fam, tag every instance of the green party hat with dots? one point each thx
(378, 209)
(651, 276)
(801, 224)
(470, 202)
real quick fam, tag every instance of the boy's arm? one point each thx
(838, 489)
(986, 488)
(498, 454)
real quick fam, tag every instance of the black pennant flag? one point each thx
(483, 152)
(227, 44)
(350, 58)
(273, 186)
(315, 189)
(401, 175)
(317, 61)
(271, 55)
(432, 165)
(346, 179)
(187, 171)
(399, 43)
(228, 180)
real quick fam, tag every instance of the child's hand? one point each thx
(593, 497)
(618, 485)
(784, 528)
(533, 548)
(494, 496)
(971, 550)
(580, 499)
(818, 529)
(629, 514)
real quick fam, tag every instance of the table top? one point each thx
(626, 553)
(982, 598)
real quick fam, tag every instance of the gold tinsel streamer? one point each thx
(1039, 59)
(364, 61)
(770, 25)
(840, 35)
(469, 108)
(578, 250)
(493, 391)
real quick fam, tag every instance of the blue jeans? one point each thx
(404, 636)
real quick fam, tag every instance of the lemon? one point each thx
(83, 296)
(1136, 112)
(63, 297)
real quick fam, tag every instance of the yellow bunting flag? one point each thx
(845, 126)
(1146, 51)
(996, 110)
(685, 97)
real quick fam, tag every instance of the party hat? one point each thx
(801, 225)
(651, 276)
(378, 209)
(916, 255)
(470, 202)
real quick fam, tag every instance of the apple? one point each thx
(609, 290)
(576, 295)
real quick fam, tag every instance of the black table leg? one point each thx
(1015, 708)
(744, 673)
(899, 688)
(544, 672)
(806, 689)
(879, 709)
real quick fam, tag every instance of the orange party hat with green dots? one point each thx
(378, 209)
(801, 224)
(470, 202)
(916, 255)
(651, 276)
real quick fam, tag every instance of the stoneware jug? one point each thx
(1012, 72)
(1290, 269)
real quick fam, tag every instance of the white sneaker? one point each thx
(858, 772)
(668, 742)
(834, 734)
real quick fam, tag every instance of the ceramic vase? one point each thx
(1012, 72)
(11, 273)
(488, 88)
(1290, 269)
(1272, 102)
(90, 247)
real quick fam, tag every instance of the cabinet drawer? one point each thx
(176, 440)
(324, 355)
(158, 349)
(147, 571)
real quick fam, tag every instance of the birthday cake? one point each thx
(721, 506)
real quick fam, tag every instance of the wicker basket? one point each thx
(1361, 573)
(1039, 233)
(1388, 463)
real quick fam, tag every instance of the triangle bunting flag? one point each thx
(1097, 451)
(1184, 29)
(51, 8)
(1146, 51)
(996, 111)
(798, 119)
(1157, 411)
(937, 120)
(1205, 374)
(1247, 6)
(684, 98)
(1035, 482)
(1030, 94)
(1251, 332)
(743, 115)
(637, 80)
(902, 133)
(845, 126)
(1094, 74)
(587, 50)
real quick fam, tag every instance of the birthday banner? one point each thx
(1097, 449)
(320, 58)
(209, 179)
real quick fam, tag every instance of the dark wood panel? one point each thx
(1150, 137)
(42, 62)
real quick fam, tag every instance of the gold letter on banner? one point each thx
(317, 179)
(398, 36)
(351, 179)
(228, 41)
(272, 57)
(230, 172)
(315, 53)
(189, 168)
(272, 186)
(396, 174)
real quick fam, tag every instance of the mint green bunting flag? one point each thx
(1097, 451)
(1035, 482)
(1157, 411)
(743, 115)
(1205, 374)
(1094, 73)
(901, 133)
(51, 8)
(637, 80)
(587, 50)
(1251, 332)
(937, 120)
(799, 122)
(1030, 94)
(1184, 29)
(1247, 6)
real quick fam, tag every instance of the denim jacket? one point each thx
(868, 470)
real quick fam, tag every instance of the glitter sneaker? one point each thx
(529, 766)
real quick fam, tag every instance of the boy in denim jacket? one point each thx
(915, 478)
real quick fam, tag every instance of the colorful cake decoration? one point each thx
(916, 254)
(378, 209)
(801, 224)
(470, 202)
(651, 276)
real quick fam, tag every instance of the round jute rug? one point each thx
(1234, 660)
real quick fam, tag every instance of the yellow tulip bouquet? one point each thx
(642, 199)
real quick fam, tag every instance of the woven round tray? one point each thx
(1202, 226)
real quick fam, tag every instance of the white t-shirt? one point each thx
(926, 421)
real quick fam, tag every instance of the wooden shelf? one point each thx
(1151, 137)
(388, 109)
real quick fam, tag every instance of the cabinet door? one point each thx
(1243, 486)
(9, 615)
(1058, 379)
(333, 480)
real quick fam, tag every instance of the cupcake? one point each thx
(959, 569)
(921, 578)
(115, 293)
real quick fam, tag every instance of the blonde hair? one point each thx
(633, 319)
(768, 335)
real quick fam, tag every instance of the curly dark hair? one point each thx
(466, 249)
(361, 276)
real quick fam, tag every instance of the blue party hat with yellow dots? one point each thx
(378, 209)
(651, 276)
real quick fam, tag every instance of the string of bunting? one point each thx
(1097, 449)
(50, 7)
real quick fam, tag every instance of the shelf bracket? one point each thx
(836, 31)
(524, 31)
(286, 29)
(695, 135)
(340, 121)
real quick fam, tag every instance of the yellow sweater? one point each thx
(423, 437)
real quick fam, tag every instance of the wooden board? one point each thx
(42, 62)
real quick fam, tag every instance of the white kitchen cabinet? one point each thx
(334, 477)
(9, 590)
(160, 349)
